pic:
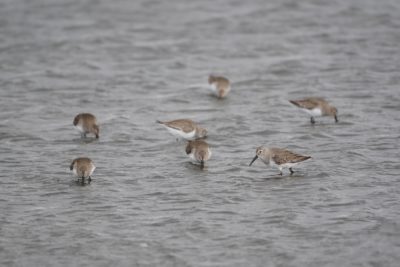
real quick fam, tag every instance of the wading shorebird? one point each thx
(220, 86)
(279, 158)
(184, 129)
(316, 107)
(198, 151)
(86, 123)
(83, 168)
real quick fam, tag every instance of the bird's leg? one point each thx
(83, 180)
(336, 119)
(280, 170)
(291, 171)
(312, 120)
(89, 180)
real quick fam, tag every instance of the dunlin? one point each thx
(83, 168)
(315, 107)
(184, 129)
(220, 86)
(280, 158)
(198, 151)
(86, 123)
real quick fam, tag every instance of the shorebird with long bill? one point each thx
(279, 158)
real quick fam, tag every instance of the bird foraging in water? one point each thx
(198, 151)
(220, 86)
(279, 158)
(316, 107)
(86, 123)
(184, 129)
(83, 168)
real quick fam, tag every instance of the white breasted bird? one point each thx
(86, 123)
(316, 107)
(279, 158)
(184, 129)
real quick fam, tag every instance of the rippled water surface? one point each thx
(133, 62)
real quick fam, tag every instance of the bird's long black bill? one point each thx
(254, 159)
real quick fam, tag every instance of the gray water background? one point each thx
(133, 62)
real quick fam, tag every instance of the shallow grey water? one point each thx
(132, 62)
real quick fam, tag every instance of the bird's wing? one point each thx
(309, 103)
(184, 125)
(286, 156)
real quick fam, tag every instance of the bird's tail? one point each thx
(294, 102)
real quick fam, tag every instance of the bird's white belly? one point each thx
(92, 170)
(193, 158)
(272, 164)
(316, 112)
(214, 89)
(181, 134)
(75, 171)
(289, 165)
(284, 165)
(80, 128)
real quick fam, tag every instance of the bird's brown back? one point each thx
(197, 145)
(282, 156)
(83, 166)
(184, 125)
(309, 103)
(86, 118)
(221, 81)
